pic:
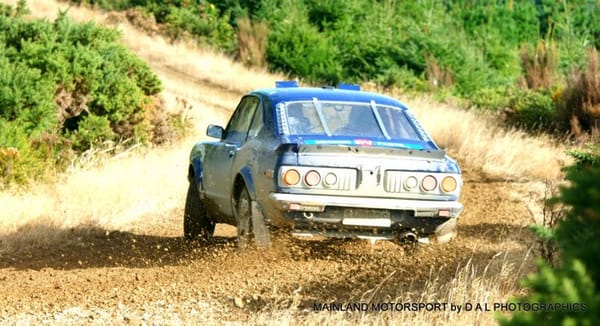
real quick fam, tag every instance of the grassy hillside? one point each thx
(529, 58)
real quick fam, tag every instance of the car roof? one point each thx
(288, 94)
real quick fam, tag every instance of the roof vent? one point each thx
(350, 87)
(286, 83)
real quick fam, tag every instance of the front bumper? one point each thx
(364, 217)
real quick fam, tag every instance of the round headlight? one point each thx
(330, 179)
(312, 178)
(411, 183)
(291, 177)
(449, 184)
(429, 183)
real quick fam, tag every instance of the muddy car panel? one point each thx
(332, 162)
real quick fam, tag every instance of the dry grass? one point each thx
(113, 195)
(582, 99)
(252, 42)
(539, 64)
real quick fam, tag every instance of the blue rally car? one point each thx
(322, 161)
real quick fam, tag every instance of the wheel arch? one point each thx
(244, 179)
(195, 172)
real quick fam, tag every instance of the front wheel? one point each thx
(196, 224)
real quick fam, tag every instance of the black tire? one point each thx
(244, 217)
(251, 225)
(196, 224)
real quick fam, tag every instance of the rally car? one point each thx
(333, 162)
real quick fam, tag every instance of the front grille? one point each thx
(346, 179)
(393, 181)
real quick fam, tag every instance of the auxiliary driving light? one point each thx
(411, 183)
(429, 183)
(291, 177)
(449, 184)
(330, 179)
(312, 178)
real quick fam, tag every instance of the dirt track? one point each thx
(151, 274)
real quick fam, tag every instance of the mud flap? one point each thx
(262, 235)
(445, 232)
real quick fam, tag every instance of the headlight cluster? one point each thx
(311, 178)
(430, 183)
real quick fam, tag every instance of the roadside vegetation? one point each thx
(534, 62)
(67, 88)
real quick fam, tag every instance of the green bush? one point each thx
(532, 110)
(492, 98)
(301, 50)
(588, 157)
(64, 88)
(577, 279)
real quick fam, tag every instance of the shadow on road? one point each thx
(41, 246)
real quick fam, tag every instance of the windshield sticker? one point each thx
(361, 142)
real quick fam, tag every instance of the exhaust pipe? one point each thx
(407, 237)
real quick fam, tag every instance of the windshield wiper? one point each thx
(379, 121)
(321, 116)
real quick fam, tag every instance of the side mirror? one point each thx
(215, 131)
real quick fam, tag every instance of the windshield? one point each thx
(348, 119)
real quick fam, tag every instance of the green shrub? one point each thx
(92, 130)
(577, 279)
(491, 98)
(532, 110)
(182, 18)
(64, 88)
(588, 157)
(298, 47)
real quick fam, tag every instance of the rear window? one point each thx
(347, 119)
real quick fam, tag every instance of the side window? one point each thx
(238, 126)
(257, 122)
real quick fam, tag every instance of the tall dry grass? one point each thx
(252, 42)
(539, 64)
(582, 98)
(110, 196)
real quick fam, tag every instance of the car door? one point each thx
(220, 159)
